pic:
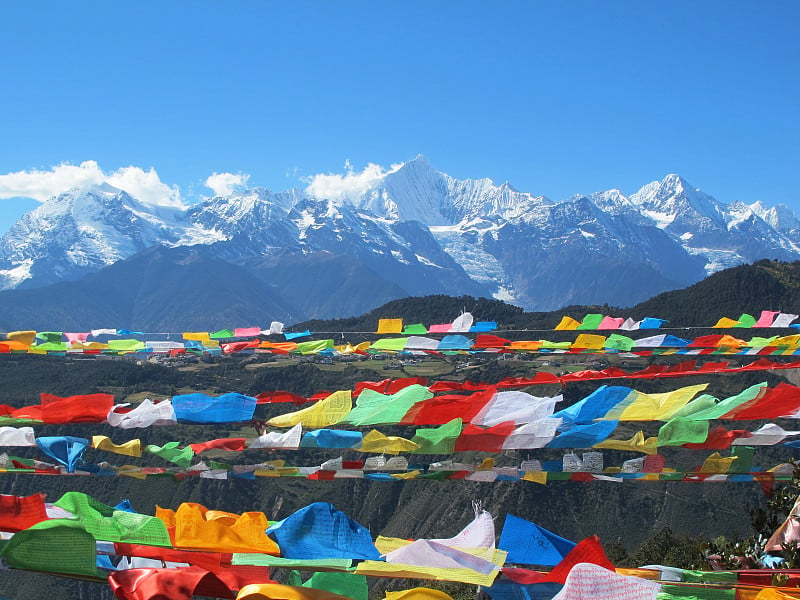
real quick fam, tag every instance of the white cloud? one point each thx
(350, 186)
(145, 186)
(224, 184)
(43, 184)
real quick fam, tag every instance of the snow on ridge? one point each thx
(11, 278)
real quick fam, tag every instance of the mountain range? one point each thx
(412, 231)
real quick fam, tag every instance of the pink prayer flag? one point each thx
(766, 318)
(246, 331)
(76, 337)
(611, 323)
(443, 328)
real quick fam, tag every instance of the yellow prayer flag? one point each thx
(273, 591)
(129, 448)
(653, 407)
(390, 544)
(384, 569)
(324, 413)
(376, 442)
(567, 324)
(590, 341)
(407, 475)
(535, 476)
(726, 323)
(652, 574)
(525, 345)
(486, 465)
(135, 472)
(197, 528)
(167, 515)
(418, 593)
(390, 326)
(267, 473)
(197, 336)
(716, 463)
(637, 443)
(23, 337)
(728, 341)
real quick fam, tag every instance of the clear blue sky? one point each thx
(556, 97)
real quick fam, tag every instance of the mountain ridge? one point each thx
(426, 232)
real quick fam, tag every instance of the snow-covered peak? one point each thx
(669, 191)
(413, 191)
(780, 217)
(612, 201)
(410, 191)
(482, 198)
(673, 198)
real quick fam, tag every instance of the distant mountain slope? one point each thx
(765, 285)
(178, 289)
(421, 232)
(191, 288)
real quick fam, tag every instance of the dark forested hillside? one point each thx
(765, 285)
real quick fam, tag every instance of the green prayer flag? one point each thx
(438, 440)
(744, 459)
(392, 344)
(690, 576)
(556, 345)
(675, 592)
(267, 560)
(374, 408)
(727, 405)
(52, 346)
(50, 336)
(435, 475)
(591, 321)
(349, 585)
(54, 546)
(126, 345)
(699, 404)
(170, 451)
(746, 320)
(108, 524)
(677, 432)
(619, 342)
(219, 465)
(415, 329)
(761, 342)
(313, 347)
(221, 334)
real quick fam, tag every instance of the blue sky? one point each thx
(556, 97)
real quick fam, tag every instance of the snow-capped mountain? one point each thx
(419, 231)
(80, 231)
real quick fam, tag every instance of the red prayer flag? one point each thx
(21, 512)
(719, 438)
(588, 550)
(485, 340)
(780, 401)
(88, 408)
(232, 444)
(280, 396)
(488, 439)
(158, 584)
(443, 409)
